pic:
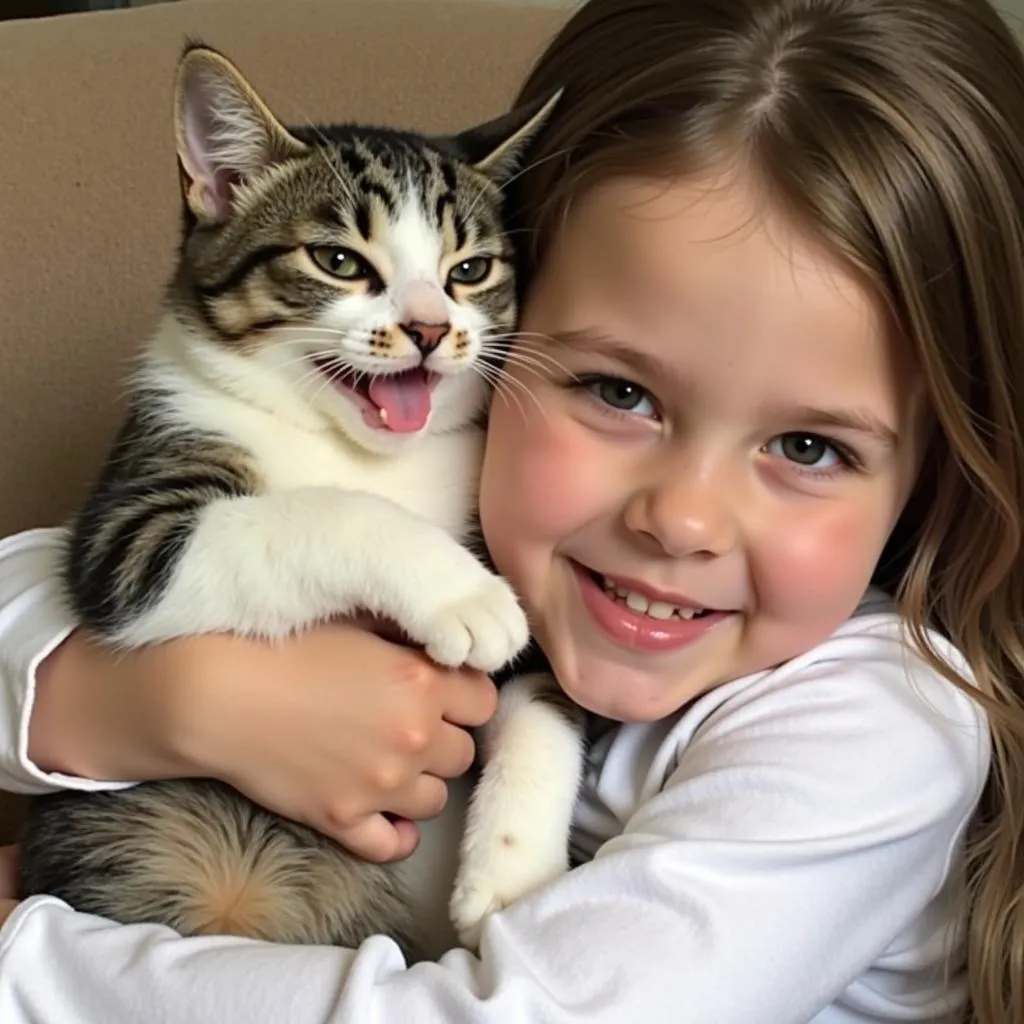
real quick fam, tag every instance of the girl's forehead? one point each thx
(707, 278)
(715, 251)
(720, 217)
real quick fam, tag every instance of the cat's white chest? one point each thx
(436, 478)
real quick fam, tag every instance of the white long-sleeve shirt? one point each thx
(787, 849)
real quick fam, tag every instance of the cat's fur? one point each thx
(250, 491)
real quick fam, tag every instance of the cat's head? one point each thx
(357, 275)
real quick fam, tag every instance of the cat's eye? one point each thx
(471, 271)
(341, 262)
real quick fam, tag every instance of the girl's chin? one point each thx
(616, 692)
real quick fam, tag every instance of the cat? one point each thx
(303, 440)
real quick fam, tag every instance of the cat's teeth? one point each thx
(383, 414)
(644, 606)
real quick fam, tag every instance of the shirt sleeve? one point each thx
(34, 620)
(799, 834)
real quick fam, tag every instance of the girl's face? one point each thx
(718, 437)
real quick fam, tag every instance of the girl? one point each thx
(775, 261)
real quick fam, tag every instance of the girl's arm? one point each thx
(34, 624)
(797, 842)
(331, 727)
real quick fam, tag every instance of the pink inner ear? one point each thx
(224, 181)
(197, 132)
(216, 182)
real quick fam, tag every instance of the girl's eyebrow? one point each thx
(858, 421)
(592, 341)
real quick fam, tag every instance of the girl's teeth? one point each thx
(640, 604)
(660, 610)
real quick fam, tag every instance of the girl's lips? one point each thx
(634, 630)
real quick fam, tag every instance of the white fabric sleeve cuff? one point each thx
(34, 620)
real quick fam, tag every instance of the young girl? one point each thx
(776, 294)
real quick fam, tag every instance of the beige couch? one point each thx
(89, 193)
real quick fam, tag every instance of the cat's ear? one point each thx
(497, 147)
(225, 132)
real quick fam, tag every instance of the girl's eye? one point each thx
(621, 395)
(471, 271)
(809, 451)
(341, 262)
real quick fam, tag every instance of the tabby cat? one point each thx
(303, 440)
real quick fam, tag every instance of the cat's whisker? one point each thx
(531, 340)
(527, 339)
(565, 151)
(311, 372)
(482, 194)
(310, 355)
(525, 353)
(540, 373)
(504, 392)
(522, 355)
(338, 177)
(328, 351)
(526, 360)
(325, 383)
(360, 333)
(324, 152)
(498, 385)
(520, 334)
(506, 385)
(326, 348)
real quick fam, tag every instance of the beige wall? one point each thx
(1014, 11)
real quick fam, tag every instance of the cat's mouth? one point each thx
(399, 402)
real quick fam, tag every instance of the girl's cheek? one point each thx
(822, 564)
(544, 470)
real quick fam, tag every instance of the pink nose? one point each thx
(426, 337)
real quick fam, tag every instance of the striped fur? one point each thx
(303, 441)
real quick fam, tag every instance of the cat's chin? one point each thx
(375, 440)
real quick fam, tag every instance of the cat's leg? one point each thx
(271, 563)
(520, 815)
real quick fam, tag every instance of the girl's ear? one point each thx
(497, 147)
(225, 133)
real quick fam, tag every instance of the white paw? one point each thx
(484, 629)
(497, 873)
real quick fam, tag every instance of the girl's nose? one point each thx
(685, 510)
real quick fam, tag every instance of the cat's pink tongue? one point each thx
(403, 400)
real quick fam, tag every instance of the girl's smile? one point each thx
(715, 446)
(639, 616)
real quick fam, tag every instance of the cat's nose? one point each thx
(426, 337)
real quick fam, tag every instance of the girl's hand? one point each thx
(333, 728)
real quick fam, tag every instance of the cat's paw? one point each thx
(485, 628)
(496, 874)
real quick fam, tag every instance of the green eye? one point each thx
(471, 271)
(339, 262)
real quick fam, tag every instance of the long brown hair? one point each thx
(894, 129)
